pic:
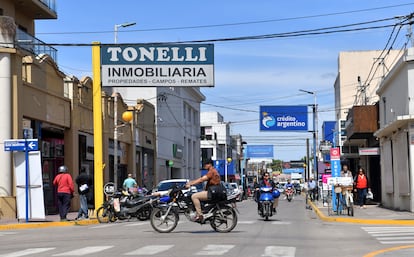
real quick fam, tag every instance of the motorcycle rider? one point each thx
(212, 178)
(289, 184)
(266, 181)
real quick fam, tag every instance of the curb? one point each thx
(360, 221)
(47, 224)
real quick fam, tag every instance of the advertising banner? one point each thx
(157, 65)
(284, 118)
(259, 151)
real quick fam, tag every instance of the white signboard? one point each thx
(157, 65)
(36, 208)
(369, 151)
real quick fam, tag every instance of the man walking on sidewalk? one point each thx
(84, 182)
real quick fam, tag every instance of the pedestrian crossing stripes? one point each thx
(392, 235)
(26, 252)
(150, 250)
(6, 233)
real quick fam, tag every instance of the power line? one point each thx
(235, 23)
(300, 33)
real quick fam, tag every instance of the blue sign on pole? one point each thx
(259, 151)
(20, 145)
(284, 118)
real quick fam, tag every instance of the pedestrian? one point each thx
(345, 172)
(129, 183)
(84, 183)
(65, 188)
(312, 189)
(361, 185)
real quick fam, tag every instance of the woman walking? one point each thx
(361, 184)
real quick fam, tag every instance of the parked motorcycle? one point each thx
(221, 215)
(124, 206)
(289, 193)
(266, 198)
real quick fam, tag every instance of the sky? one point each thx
(248, 73)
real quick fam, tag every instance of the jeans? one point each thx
(83, 210)
(362, 193)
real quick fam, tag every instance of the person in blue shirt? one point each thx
(312, 189)
(288, 184)
(129, 182)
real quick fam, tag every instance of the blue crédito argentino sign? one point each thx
(154, 65)
(284, 118)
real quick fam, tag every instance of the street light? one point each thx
(315, 131)
(115, 96)
(123, 25)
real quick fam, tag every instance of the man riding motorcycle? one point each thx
(213, 178)
(266, 181)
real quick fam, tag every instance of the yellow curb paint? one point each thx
(360, 221)
(372, 254)
(30, 225)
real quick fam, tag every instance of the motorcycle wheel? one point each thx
(105, 215)
(289, 198)
(163, 225)
(224, 219)
(144, 213)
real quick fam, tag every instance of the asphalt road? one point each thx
(294, 231)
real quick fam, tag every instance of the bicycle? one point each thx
(344, 199)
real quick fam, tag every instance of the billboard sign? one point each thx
(284, 118)
(259, 151)
(157, 65)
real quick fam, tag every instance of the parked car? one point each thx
(236, 190)
(165, 185)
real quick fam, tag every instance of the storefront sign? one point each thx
(157, 65)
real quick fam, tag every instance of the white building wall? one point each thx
(396, 135)
(221, 129)
(177, 122)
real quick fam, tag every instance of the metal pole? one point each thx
(225, 162)
(133, 148)
(115, 95)
(315, 157)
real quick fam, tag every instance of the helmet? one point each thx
(62, 169)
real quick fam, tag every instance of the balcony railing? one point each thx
(51, 4)
(34, 45)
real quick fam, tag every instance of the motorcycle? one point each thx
(221, 215)
(289, 193)
(266, 198)
(124, 206)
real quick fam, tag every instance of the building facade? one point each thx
(396, 134)
(177, 123)
(58, 110)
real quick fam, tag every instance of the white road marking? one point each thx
(84, 251)
(215, 250)
(279, 251)
(26, 252)
(391, 235)
(150, 250)
(7, 233)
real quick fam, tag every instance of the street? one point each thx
(294, 231)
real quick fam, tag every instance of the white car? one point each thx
(165, 185)
(236, 190)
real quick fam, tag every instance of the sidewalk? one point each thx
(49, 221)
(372, 214)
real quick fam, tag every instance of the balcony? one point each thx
(34, 45)
(362, 121)
(37, 9)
